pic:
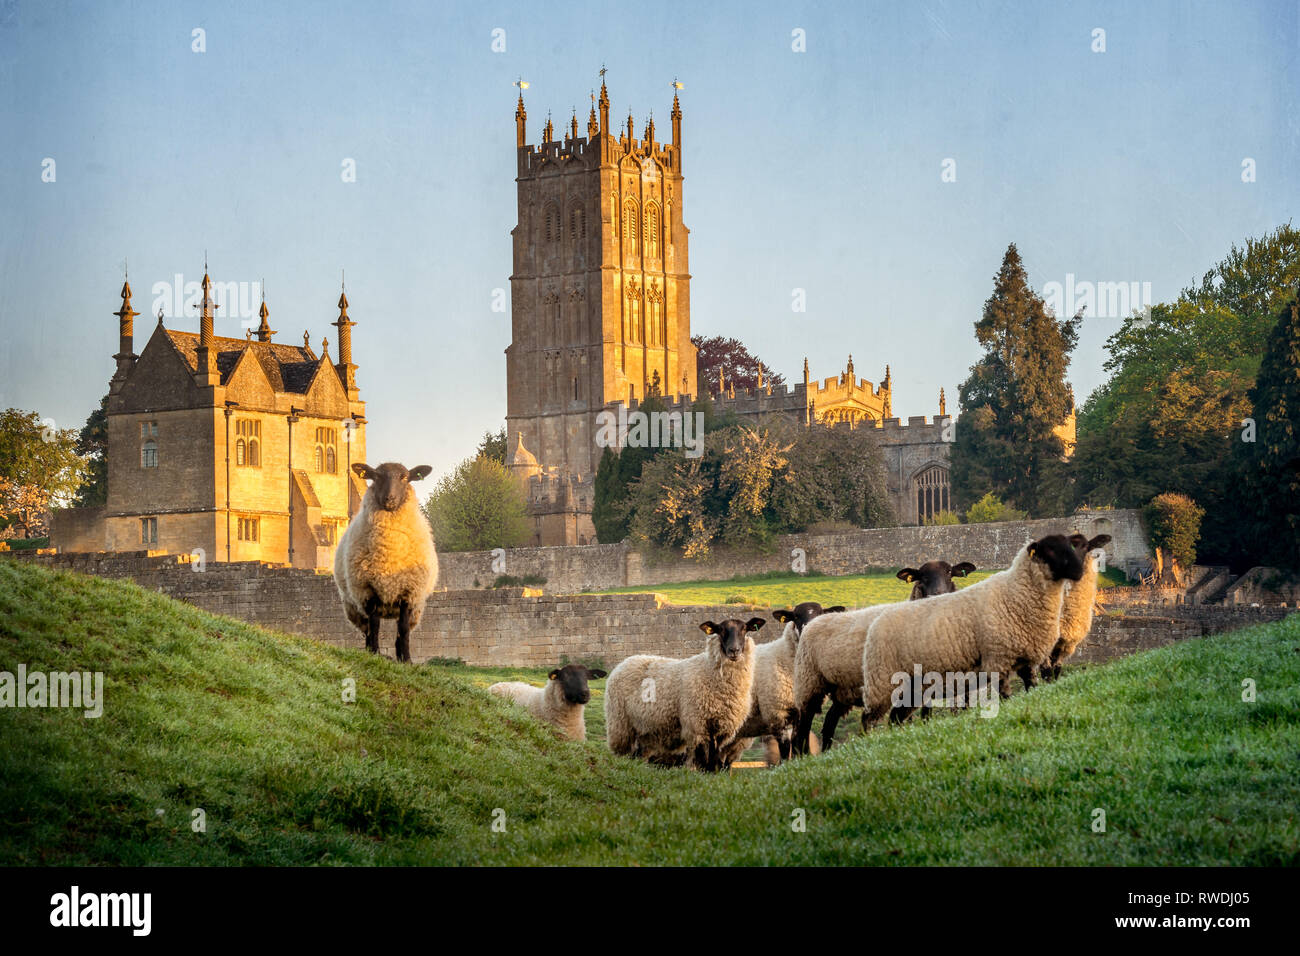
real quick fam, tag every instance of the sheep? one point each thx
(829, 658)
(560, 702)
(1076, 607)
(1007, 622)
(772, 713)
(386, 565)
(684, 711)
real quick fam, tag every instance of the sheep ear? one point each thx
(837, 609)
(553, 674)
(1078, 542)
(782, 615)
(418, 472)
(963, 569)
(1032, 549)
(908, 574)
(596, 674)
(708, 627)
(1098, 541)
(755, 623)
(364, 470)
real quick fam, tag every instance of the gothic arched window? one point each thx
(577, 223)
(320, 458)
(551, 225)
(652, 231)
(331, 460)
(629, 227)
(932, 493)
(240, 453)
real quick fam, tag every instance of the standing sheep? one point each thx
(1007, 623)
(670, 711)
(386, 565)
(560, 703)
(829, 658)
(773, 713)
(1076, 607)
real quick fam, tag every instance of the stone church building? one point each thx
(235, 449)
(601, 316)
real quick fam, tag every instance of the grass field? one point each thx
(206, 712)
(787, 589)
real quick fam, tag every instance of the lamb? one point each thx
(386, 565)
(829, 658)
(773, 713)
(684, 711)
(560, 702)
(1076, 607)
(1007, 622)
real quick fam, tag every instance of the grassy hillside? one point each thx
(202, 711)
(786, 589)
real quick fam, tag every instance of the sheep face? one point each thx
(572, 679)
(732, 635)
(1084, 547)
(1058, 556)
(934, 577)
(801, 614)
(390, 483)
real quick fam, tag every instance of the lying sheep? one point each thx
(1076, 607)
(560, 702)
(1008, 622)
(773, 714)
(684, 711)
(829, 658)
(386, 565)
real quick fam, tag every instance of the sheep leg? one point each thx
(1027, 675)
(808, 709)
(899, 714)
(404, 632)
(832, 720)
(372, 625)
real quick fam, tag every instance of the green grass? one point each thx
(204, 711)
(787, 589)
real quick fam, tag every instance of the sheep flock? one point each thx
(941, 647)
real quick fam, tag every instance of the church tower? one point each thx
(600, 291)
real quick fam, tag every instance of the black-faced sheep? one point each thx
(386, 565)
(1007, 623)
(829, 658)
(1076, 606)
(773, 714)
(560, 702)
(673, 711)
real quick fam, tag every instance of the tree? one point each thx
(1174, 524)
(1270, 465)
(990, 508)
(92, 446)
(738, 364)
(39, 463)
(493, 446)
(1169, 417)
(1016, 395)
(477, 507)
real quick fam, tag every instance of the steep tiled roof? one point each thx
(288, 367)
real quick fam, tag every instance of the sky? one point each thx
(878, 157)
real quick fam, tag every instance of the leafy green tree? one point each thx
(1016, 395)
(991, 508)
(479, 506)
(493, 445)
(38, 462)
(92, 446)
(1169, 416)
(1270, 465)
(1174, 526)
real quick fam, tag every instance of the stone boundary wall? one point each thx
(518, 627)
(993, 545)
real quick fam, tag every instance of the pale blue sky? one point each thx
(817, 170)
